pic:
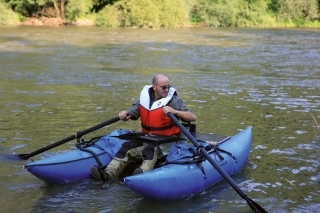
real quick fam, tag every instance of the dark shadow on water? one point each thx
(214, 199)
(83, 196)
(91, 195)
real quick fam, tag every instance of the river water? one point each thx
(57, 81)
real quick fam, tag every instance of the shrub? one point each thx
(172, 13)
(78, 9)
(7, 16)
(144, 13)
(109, 16)
(297, 12)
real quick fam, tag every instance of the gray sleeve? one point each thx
(177, 104)
(134, 110)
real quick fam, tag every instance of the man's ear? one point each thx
(153, 87)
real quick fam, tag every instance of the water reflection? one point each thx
(55, 82)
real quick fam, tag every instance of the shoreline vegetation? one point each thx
(161, 13)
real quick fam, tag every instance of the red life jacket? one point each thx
(153, 119)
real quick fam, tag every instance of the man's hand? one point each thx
(167, 109)
(184, 115)
(124, 116)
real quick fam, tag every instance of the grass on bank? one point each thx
(7, 16)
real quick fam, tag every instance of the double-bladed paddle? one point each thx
(253, 205)
(71, 137)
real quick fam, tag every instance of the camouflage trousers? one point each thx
(148, 152)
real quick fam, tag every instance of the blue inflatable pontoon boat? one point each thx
(183, 174)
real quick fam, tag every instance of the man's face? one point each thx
(161, 89)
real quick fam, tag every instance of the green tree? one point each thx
(22, 6)
(35, 8)
(109, 16)
(172, 13)
(139, 13)
(7, 16)
(78, 8)
(144, 13)
(251, 13)
(98, 5)
(297, 11)
(215, 13)
(240, 13)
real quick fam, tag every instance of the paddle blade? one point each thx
(254, 206)
(23, 156)
(16, 157)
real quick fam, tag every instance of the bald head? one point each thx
(159, 78)
(161, 86)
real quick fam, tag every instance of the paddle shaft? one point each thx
(254, 206)
(71, 137)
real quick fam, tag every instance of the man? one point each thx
(154, 103)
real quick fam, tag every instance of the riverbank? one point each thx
(164, 14)
(44, 21)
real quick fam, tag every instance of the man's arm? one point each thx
(132, 113)
(177, 107)
(183, 115)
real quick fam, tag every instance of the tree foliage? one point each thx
(78, 8)
(98, 5)
(7, 16)
(297, 10)
(171, 13)
(144, 13)
(223, 13)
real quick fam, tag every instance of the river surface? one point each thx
(57, 81)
